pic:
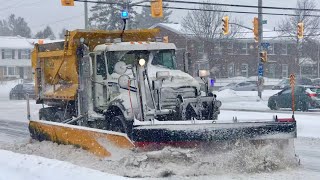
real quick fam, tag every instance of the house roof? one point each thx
(18, 42)
(306, 61)
(174, 27)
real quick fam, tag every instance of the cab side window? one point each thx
(101, 65)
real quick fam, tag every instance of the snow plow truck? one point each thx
(105, 89)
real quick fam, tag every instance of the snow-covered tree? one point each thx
(144, 20)
(14, 26)
(46, 33)
(107, 16)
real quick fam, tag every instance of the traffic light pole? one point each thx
(260, 29)
(86, 15)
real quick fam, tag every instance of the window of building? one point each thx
(24, 54)
(10, 71)
(231, 70)
(284, 49)
(217, 48)
(272, 71)
(230, 47)
(8, 53)
(271, 49)
(244, 69)
(284, 72)
(243, 48)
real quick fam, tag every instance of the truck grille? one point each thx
(169, 95)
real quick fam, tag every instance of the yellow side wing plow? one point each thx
(96, 141)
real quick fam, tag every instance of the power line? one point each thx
(227, 11)
(198, 9)
(238, 5)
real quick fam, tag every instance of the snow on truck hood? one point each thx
(178, 78)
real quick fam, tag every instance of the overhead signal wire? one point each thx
(210, 10)
(239, 5)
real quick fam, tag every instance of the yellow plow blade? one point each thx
(95, 141)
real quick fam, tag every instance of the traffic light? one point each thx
(300, 30)
(67, 2)
(156, 9)
(256, 29)
(263, 56)
(225, 26)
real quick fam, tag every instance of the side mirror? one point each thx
(120, 67)
(204, 73)
(160, 75)
(124, 81)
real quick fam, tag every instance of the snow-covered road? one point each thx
(179, 164)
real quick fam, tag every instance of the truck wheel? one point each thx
(47, 113)
(303, 106)
(117, 124)
(274, 105)
(59, 116)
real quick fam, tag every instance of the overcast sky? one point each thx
(39, 13)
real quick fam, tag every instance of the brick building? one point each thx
(233, 57)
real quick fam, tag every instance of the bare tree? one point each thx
(207, 23)
(288, 26)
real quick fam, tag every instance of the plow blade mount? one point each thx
(98, 142)
(190, 134)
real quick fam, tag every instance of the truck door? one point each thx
(99, 83)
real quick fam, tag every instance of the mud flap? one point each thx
(96, 141)
(216, 132)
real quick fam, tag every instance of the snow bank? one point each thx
(29, 167)
(6, 86)
(225, 81)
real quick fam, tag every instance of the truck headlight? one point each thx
(218, 103)
(142, 62)
(204, 73)
(124, 81)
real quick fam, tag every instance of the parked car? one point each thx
(286, 83)
(242, 86)
(316, 82)
(20, 91)
(305, 97)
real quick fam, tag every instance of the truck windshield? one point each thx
(129, 57)
(164, 58)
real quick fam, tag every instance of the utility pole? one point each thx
(86, 15)
(260, 48)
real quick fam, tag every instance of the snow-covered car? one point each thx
(306, 97)
(242, 86)
(21, 90)
(286, 83)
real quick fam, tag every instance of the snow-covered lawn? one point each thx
(244, 99)
(14, 166)
(225, 81)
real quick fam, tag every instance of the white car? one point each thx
(242, 86)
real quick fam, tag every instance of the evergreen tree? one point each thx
(14, 26)
(62, 33)
(107, 17)
(144, 20)
(46, 33)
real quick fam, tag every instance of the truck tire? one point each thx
(117, 124)
(47, 113)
